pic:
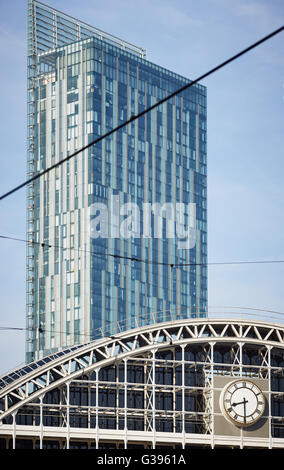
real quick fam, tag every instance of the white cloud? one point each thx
(262, 16)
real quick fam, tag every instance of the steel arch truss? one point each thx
(101, 353)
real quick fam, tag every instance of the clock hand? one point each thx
(243, 402)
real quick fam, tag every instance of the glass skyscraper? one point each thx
(85, 276)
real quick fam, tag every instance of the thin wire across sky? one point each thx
(133, 118)
(142, 113)
(135, 259)
(97, 333)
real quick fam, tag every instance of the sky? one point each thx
(245, 141)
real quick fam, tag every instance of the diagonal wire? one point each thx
(140, 260)
(147, 110)
(83, 250)
(247, 311)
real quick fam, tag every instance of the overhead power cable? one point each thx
(222, 263)
(139, 260)
(252, 312)
(91, 252)
(145, 111)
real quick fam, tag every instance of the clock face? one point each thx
(242, 402)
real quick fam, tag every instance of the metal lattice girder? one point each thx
(68, 365)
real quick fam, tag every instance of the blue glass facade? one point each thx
(80, 286)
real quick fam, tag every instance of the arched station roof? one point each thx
(33, 380)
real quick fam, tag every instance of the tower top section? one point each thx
(49, 28)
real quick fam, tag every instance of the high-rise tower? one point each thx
(94, 264)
